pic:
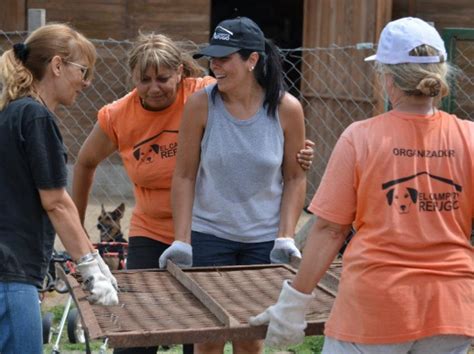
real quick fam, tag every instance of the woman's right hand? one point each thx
(101, 288)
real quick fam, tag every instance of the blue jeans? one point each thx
(20, 319)
(209, 251)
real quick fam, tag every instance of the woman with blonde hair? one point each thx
(50, 68)
(405, 181)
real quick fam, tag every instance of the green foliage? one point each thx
(311, 345)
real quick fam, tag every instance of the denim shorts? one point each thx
(209, 250)
(20, 319)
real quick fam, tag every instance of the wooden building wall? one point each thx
(443, 13)
(449, 14)
(121, 19)
(338, 86)
(13, 15)
(116, 19)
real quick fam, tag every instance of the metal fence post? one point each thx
(36, 19)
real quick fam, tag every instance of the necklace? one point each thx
(43, 102)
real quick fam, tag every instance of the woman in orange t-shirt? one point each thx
(405, 180)
(143, 127)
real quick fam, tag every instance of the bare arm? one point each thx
(187, 163)
(96, 148)
(63, 215)
(294, 177)
(324, 241)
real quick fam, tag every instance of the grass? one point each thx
(311, 345)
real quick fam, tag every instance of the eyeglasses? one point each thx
(84, 69)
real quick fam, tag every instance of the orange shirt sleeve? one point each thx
(335, 200)
(105, 122)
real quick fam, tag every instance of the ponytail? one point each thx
(16, 79)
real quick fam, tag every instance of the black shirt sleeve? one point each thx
(45, 152)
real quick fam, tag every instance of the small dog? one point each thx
(402, 198)
(108, 224)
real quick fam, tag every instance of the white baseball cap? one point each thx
(399, 37)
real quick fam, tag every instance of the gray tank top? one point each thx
(239, 182)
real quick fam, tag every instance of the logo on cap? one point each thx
(222, 34)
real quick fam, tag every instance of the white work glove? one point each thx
(286, 318)
(283, 249)
(104, 268)
(180, 253)
(101, 288)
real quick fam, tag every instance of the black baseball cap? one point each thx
(232, 35)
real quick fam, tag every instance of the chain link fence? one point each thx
(462, 97)
(335, 86)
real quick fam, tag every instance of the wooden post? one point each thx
(202, 295)
(36, 19)
(383, 16)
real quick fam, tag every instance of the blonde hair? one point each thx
(17, 75)
(157, 50)
(430, 79)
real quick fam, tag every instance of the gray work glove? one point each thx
(101, 288)
(283, 249)
(180, 253)
(286, 319)
(104, 268)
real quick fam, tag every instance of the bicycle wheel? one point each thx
(75, 331)
(47, 322)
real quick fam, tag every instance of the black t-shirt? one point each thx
(32, 157)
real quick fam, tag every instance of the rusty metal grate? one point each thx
(176, 306)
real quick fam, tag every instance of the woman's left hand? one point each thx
(285, 319)
(283, 250)
(306, 155)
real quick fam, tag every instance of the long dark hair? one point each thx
(269, 75)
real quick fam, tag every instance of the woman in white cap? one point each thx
(236, 162)
(405, 180)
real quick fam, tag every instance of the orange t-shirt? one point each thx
(406, 182)
(147, 142)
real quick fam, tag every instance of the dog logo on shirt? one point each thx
(146, 153)
(402, 198)
(160, 146)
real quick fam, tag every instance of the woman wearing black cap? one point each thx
(164, 76)
(236, 177)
